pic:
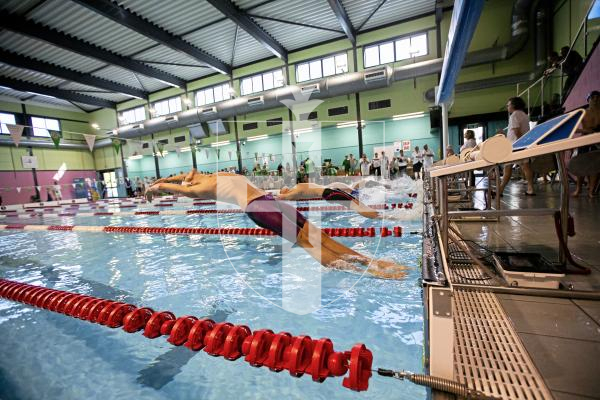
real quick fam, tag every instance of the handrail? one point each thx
(540, 81)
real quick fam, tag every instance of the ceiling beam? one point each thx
(23, 26)
(231, 11)
(342, 17)
(122, 16)
(283, 21)
(67, 95)
(20, 61)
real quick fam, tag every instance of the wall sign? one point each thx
(29, 161)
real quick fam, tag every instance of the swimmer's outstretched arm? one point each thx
(177, 178)
(172, 188)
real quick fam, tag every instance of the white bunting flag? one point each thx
(230, 153)
(18, 189)
(16, 131)
(90, 140)
(39, 188)
(178, 150)
(74, 185)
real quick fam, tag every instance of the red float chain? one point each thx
(159, 230)
(262, 348)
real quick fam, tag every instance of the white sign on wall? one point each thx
(29, 161)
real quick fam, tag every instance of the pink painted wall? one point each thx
(24, 179)
(587, 81)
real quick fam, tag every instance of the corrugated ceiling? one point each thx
(196, 22)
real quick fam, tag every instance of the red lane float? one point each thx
(159, 230)
(298, 355)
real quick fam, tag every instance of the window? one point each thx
(337, 111)
(163, 141)
(262, 82)
(179, 139)
(397, 50)
(42, 126)
(275, 121)
(6, 119)
(320, 68)
(168, 106)
(133, 115)
(251, 125)
(213, 95)
(376, 105)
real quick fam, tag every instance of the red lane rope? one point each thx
(277, 351)
(159, 230)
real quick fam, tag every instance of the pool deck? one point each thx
(561, 336)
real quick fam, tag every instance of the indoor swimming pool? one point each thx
(240, 279)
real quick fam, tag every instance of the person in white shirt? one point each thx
(518, 125)
(365, 166)
(57, 192)
(427, 157)
(385, 164)
(417, 156)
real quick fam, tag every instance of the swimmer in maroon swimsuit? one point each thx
(267, 212)
(337, 193)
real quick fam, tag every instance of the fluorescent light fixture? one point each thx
(217, 144)
(164, 153)
(187, 101)
(259, 137)
(137, 157)
(43, 95)
(184, 149)
(349, 124)
(169, 83)
(95, 126)
(303, 130)
(408, 116)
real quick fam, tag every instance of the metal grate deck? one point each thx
(488, 354)
(463, 270)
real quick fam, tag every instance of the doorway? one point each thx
(110, 182)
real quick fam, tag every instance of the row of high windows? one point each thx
(377, 54)
(41, 126)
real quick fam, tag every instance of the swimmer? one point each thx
(337, 193)
(267, 212)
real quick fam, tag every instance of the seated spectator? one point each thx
(589, 124)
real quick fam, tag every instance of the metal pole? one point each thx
(542, 96)
(564, 202)
(445, 133)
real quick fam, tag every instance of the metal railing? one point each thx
(554, 75)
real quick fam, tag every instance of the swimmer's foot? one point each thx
(387, 270)
(364, 210)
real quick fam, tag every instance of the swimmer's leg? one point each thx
(335, 255)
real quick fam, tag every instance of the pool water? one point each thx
(240, 279)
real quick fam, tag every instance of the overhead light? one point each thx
(184, 149)
(187, 101)
(95, 126)
(169, 83)
(217, 144)
(164, 153)
(303, 130)
(43, 95)
(152, 111)
(408, 116)
(259, 137)
(137, 157)
(349, 124)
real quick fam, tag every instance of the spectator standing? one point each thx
(385, 166)
(365, 165)
(57, 191)
(427, 157)
(571, 66)
(376, 162)
(353, 164)
(417, 157)
(346, 165)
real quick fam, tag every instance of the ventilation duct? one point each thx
(349, 83)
